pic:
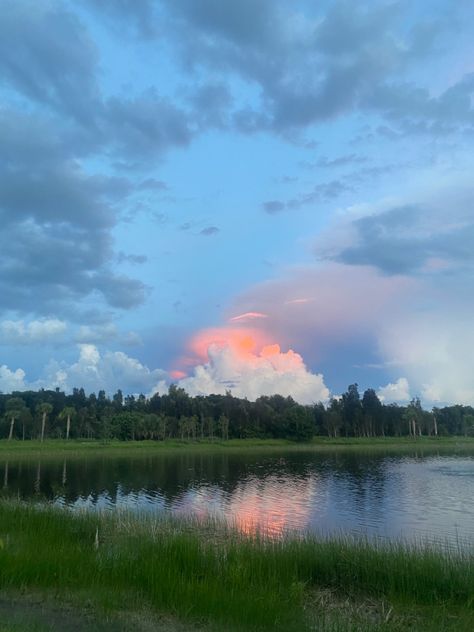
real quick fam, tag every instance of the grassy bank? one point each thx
(60, 447)
(160, 575)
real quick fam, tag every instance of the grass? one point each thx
(208, 577)
(58, 447)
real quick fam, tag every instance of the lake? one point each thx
(405, 495)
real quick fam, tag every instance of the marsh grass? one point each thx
(209, 574)
(57, 448)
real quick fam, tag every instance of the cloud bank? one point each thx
(252, 374)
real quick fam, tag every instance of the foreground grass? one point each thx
(58, 447)
(115, 568)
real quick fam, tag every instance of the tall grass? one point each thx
(210, 574)
(77, 447)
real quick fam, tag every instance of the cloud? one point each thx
(434, 351)
(251, 375)
(47, 55)
(247, 316)
(93, 371)
(56, 221)
(19, 332)
(318, 307)
(106, 333)
(319, 193)
(11, 380)
(412, 238)
(209, 230)
(144, 127)
(135, 15)
(109, 371)
(308, 66)
(398, 392)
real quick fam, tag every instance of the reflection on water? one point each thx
(395, 496)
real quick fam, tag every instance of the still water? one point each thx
(411, 496)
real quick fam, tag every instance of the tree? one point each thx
(44, 409)
(224, 426)
(414, 416)
(352, 410)
(14, 409)
(67, 413)
(372, 413)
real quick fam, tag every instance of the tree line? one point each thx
(55, 414)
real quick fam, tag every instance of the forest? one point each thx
(55, 414)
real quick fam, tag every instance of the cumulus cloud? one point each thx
(398, 392)
(13, 332)
(11, 380)
(93, 371)
(109, 371)
(435, 351)
(251, 374)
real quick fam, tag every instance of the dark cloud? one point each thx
(319, 193)
(340, 161)
(309, 67)
(123, 257)
(412, 239)
(273, 206)
(209, 230)
(56, 223)
(211, 103)
(152, 184)
(146, 126)
(46, 54)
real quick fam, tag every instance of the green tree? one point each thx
(372, 413)
(224, 426)
(352, 411)
(44, 409)
(67, 413)
(15, 407)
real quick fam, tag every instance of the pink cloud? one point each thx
(248, 316)
(347, 303)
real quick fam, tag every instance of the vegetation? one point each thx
(209, 575)
(176, 415)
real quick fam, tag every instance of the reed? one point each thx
(208, 574)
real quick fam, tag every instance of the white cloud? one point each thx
(436, 352)
(398, 391)
(14, 332)
(110, 371)
(11, 380)
(248, 374)
(92, 371)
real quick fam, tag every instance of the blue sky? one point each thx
(185, 185)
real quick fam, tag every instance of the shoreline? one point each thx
(94, 447)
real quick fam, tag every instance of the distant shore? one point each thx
(83, 447)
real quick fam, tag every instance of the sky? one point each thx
(260, 196)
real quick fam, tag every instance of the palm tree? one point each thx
(14, 409)
(44, 409)
(67, 413)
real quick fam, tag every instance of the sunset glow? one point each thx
(248, 316)
(242, 341)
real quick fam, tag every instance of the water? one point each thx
(427, 497)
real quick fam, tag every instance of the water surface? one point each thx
(410, 496)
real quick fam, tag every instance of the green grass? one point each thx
(58, 447)
(211, 577)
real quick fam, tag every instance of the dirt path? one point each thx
(31, 613)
